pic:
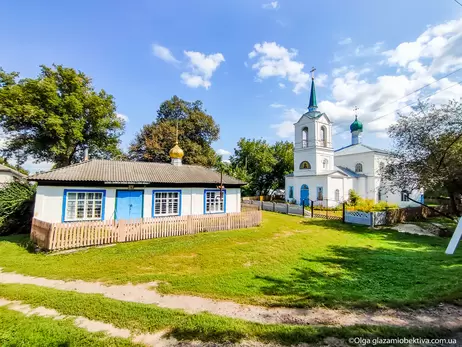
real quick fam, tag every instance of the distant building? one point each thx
(8, 174)
(325, 175)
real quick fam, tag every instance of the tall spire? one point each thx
(313, 103)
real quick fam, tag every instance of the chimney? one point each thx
(85, 154)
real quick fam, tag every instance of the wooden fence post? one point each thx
(120, 231)
(303, 208)
(287, 209)
(274, 206)
(343, 213)
(312, 208)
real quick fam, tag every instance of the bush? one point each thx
(367, 205)
(16, 207)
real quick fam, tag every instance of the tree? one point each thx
(427, 150)
(263, 165)
(196, 132)
(56, 115)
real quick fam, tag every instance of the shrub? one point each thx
(353, 197)
(367, 205)
(16, 207)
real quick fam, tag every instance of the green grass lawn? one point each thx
(287, 261)
(142, 318)
(20, 330)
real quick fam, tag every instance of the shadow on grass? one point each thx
(22, 240)
(370, 277)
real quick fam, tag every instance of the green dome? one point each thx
(356, 125)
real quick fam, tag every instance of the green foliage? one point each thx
(427, 150)
(16, 207)
(54, 116)
(367, 205)
(257, 265)
(196, 132)
(264, 165)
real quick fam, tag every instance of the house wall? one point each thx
(49, 201)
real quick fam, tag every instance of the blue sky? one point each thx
(247, 60)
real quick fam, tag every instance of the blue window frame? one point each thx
(83, 205)
(166, 203)
(213, 202)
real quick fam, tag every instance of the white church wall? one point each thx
(313, 182)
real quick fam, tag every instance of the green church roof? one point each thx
(313, 103)
(356, 125)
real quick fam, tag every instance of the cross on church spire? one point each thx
(356, 111)
(313, 69)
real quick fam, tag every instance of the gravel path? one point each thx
(444, 315)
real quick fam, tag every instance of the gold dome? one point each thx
(176, 152)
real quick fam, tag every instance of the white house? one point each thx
(325, 176)
(8, 175)
(115, 190)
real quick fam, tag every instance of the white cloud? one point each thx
(276, 105)
(223, 152)
(363, 51)
(345, 41)
(273, 5)
(277, 61)
(202, 68)
(321, 80)
(281, 85)
(285, 129)
(164, 53)
(122, 117)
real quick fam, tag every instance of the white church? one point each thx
(325, 176)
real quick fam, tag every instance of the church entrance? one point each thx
(304, 195)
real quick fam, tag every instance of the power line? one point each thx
(458, 2)
(409, 105)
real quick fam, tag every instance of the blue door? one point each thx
(304, 195)
(129, 204)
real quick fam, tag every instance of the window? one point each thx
(304, 165)
(324, 136)
(305, 137)
(324, 164)
(337, 195)
(404, 196)
(166, 203)
(359, 167)
(83, 205)
(319, 194)
(214, 203)
(291, 192)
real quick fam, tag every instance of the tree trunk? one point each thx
(455, 210)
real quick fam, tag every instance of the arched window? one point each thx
(305, 137)
(324, 163)
(359, 167)
(324, 136)
(337, 195)
(304, 165)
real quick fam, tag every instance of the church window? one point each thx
(337, 195)
(291, 192)
(324, 164)
(359, 167)
(324, 136)
(305, 165)
(404, 196)
(304, 137)
(319, 194)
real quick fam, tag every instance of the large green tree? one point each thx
(427, 150)
(55, 116)
(262, 165)
(196, 132)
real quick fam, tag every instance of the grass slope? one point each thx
(287, 261)
(20, 330)
(204, 327)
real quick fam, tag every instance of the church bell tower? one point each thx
(313, 151)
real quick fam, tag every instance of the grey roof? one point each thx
(378, 150)
(16, 173)
(349, 172)
(123, 172)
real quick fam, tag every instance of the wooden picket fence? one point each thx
(58, 236)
